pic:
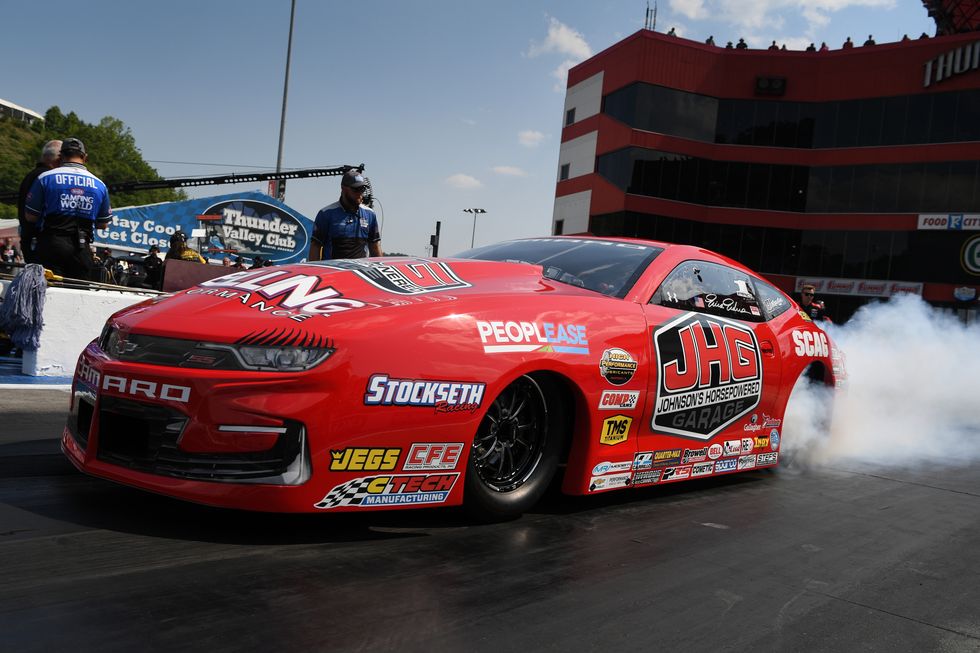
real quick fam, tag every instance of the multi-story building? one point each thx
(19, 113)
(856, 168)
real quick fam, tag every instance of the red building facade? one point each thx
(857, 169)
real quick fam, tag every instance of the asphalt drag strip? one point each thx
(854, 557)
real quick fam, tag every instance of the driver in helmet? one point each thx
(180, 250)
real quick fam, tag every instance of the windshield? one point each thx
(604, 266)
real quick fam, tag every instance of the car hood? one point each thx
(307, 297)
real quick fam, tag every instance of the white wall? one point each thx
(72, 319)
(574, 210)
(585, 97)
(579, 154)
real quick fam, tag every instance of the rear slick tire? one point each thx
(516, 450)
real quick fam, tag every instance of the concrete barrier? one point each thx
(72, 319)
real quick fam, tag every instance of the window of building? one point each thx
(570, 116)
(559, 227)
(936, 187)
(913, 119)
(563, 171)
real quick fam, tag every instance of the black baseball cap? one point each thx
(354, 179)
(72, 146)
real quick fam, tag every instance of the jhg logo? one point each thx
(710, 372)
(615, 429)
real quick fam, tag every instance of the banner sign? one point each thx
(243, 224)
(950, 221)
(859, 287)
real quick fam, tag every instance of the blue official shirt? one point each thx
(344, 234)
(68, 195)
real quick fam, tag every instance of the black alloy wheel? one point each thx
(515, 451)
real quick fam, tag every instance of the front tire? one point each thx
(516, 450)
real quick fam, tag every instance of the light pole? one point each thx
(475, 212)
(280, 183)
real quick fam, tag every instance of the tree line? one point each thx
(113, 155)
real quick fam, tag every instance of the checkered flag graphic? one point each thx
(350, 493)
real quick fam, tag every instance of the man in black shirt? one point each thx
(50, 158)
(815, 309)
(154, 268)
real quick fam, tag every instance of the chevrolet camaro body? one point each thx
(406, 382)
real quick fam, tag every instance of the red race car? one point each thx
(351, 385)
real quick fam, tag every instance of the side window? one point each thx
(682, 289)
(772, 301)
(709, 288)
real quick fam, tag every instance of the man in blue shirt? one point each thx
(346, 228)
(68, 203)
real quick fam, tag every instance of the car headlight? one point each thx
(176, 352)
(282, 359)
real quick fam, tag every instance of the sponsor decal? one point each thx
(618, 399)
(753, 424)
(971, 255)
(280, 293)
(805, 317)
(733, 447)
(769, 422)
(676, 473)
(504, 337)
(774, 439)
(746, 462)
(647, 478)
(643, 460)
(715, 451)
(615, 429)
(364, 459)
(443, 396)
(702, 469)
(950, 221)
(141, 389)
(617, 366)
(695, 455)
(710, 375)
(767, 458)
(748, 444)
(386, 490)
(964, 294)
(727, 465)
(609, 468)
(433, 456)
(404, 277)
(761, 442)
(666, 457)
(860, 287)
(609, 482)
(952, 62)
(810, 344)
(252, 228)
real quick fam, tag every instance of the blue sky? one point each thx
(450, 104)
